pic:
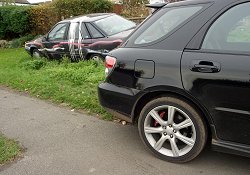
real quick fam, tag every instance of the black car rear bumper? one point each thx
(117, 100)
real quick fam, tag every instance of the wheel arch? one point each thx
(93, 52)
(157, 92)
(32, 48)
(88, 56)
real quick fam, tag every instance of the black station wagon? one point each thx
(184, 76)
(85, 37)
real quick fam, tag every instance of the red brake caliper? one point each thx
(161, 115)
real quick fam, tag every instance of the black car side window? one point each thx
(58, 32)
(93, 31)
(84, 32)
(231, 31)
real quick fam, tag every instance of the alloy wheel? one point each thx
(170, 131)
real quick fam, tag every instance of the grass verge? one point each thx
(73, 84)
(9, 150)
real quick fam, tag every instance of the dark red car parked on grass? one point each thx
(79, 38)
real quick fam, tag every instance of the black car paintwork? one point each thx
(225, 93)
(222, 96)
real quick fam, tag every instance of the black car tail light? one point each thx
(109, 64)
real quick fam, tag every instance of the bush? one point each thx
(20, 41)
(135, 8)
(101, 6)
(14, 21)
(42, 18)
(34, 64)
(68, 8)
(4, 44)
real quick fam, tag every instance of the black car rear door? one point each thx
(218, 74)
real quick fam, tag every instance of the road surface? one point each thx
(61, 142)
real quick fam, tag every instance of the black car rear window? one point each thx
(166, 23)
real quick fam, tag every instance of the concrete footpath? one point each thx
(62, 142)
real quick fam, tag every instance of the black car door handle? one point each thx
(205, 66)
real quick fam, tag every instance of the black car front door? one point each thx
(56, 43)
(218, 74)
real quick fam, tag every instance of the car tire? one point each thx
(178, 138)
(96, 57)
(36, 54)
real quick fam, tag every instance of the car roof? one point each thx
(88, 18)
(188, 2)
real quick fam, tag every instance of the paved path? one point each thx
(61, 142)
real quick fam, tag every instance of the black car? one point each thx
(84, 37)
(184, 75)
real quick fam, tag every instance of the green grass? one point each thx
(74, 84)
(9, 149)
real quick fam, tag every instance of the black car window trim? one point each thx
(94, 28)
(88, 32)
(204, 7)
(65, 34)
(211, 22)
(77, 30)
(99, 29)
(236, 53)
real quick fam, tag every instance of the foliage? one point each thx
(135, 8)
(14, 21)
(63, 82)
(15, 43)
(7, 2)
(4, 44)
(18, 42)
(9, 149)
(34, 64)
(42, 18)
(68, 8)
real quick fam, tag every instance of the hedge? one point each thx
(14, 21)
(67, 8)
(42, 18)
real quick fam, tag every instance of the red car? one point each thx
(85, 37)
